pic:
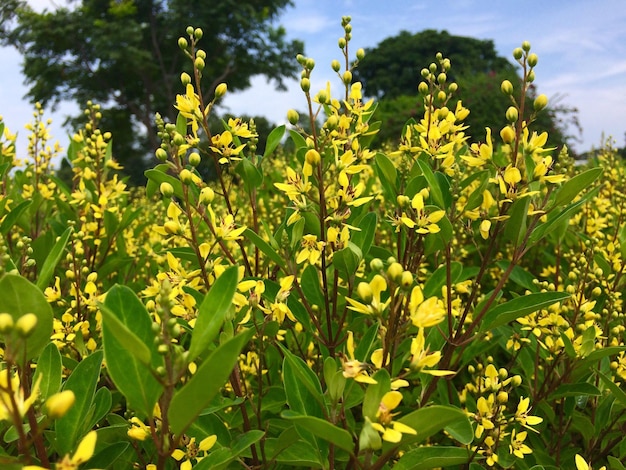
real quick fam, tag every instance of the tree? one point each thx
(391, 73)
(124, 55)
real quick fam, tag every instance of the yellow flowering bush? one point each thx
(440, 303)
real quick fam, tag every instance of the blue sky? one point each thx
(581, 46)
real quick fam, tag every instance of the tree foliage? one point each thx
(123, 54)
(392, 70)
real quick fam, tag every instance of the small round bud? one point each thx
(189, 30)
(360, 53)
(312, 157)
(185, 176)
(197, 33)
(166, 189)
(207, 195)
(441, 78)
(194, 159)
(424, 73)
(403, 200)
(347, 28)
(507, 134)
(107, 136)
(364, 290)
(526, 46)
(220, 90)
(532, 59)
(310, 63)
(332, 122)
(506, 87)
(293, 117)
(406, 280)
(322, 97)
(453, 87)
(59, 404)
(336, 66)
(199, 63)
(540, 102)
(516, 381)
(26, 324)
(182, 43)
(163, 349)
(394, 271)
(376, 264)
(6, 323)
(530, 77)
(503, 397)
(161, 154)
(305, 84)
(432, 68)
(341, 43)
(518, 53)
(441, 96)
(512, 114)
(347, 77)
(423, 88)
(179, 139)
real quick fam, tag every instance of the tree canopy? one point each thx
(391, 73)
(124, 55)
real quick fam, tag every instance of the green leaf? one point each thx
(518, 307)
(424, 458)
(386, 173)
(250, 174)
(109, 455)
(273, 139)
(53, 258)
(302, 386)
(18, 297)
(574, 390)
(73, 425)
(212, 312)
(322, 429)
(519, 276)
(126, 325)
(571, 188)
(50, 369)
(181, 124)
(310, 284)
(437, 279)
(347, 259)
(12, 217)
(620, 395)
(436, 193)
(615, 464)
(264, 247)
(375, 392)
(212, 374)
(430, 420)
(298, 140)
(515, 226)
(364, 237)
(157, 176)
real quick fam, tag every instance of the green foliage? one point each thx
(439, 303)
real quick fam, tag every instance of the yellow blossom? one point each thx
(391, 430)
(351, 367)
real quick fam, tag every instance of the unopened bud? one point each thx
(220, 90)
(182, 43)
(207, 195)
(441, 96)
(185, 176)
(453, 87)
(512, 114)
(360, 53)
(293, 117)
(518, 53)
(26, 324)
(194, 159)
(365, 292)
(347, 77)
(161, 154)
(59, 403)
(423, 88)
(312, 157)
(394, 271)
(305, 84)
(341, 43)
(526, 46)
(197, 33)
(507, 134)
(533, 59)
(540, 102)
(189, 30)
(503, 397)
(406, 280)
(530, 77)
(166, 189)
(336, 66)
(6, 323)
(441, 78)
(310, 63)
(199, 63)
(506, 87)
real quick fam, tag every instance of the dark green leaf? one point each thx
(159, 176)
(264, 247)
(49, 371)
(364, 237)
(212, 312)
(437, 279)
(436, 193)
(12, 217)
(322, 429)
(424, 458)
(273, 139)
(212, 374)
(574, 390)
(47, 269)
(430, 420)
(515, 226)
(572, 187)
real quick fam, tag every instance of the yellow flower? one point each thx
(83, 453)
(194, 452)
(222, 144)
(352, 368)
(391, 430)
(376, 306)
(138, 430)
(423, 358)
(517, 446)
(311, 250)
(12, 396)
(581, 464)
(522, 415)
(425, 313)
(485, 226)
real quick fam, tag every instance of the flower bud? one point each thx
(341, 43)
(312, 157)
(441, 96)
(194, 159)
(364, 290)
(199, 63)
(507, 134)
(301, 59)
(207, 195)
(518, 53)
(512, 114)
(189, 30)
(336, 66)
(185, 176)
(172, 227)
(179, 139)
(6, 323)
(403, 200)
(347, 77)
(305, 84)
(197, 33)
(423, 88)
(220, 90)
(360, 53)
(530, 77)
(526, 46)
(453, 87)
(310, 63)
(166, 189)
(26, 324)
(432, 68)
(322, 97)
(506, 87)
(503, 397)
(394, 271)
(59, 403)
(182, 43)
(293, 117)
(406, 280)
(376, 264)
(540, 102)
(200, 53)
(533, 59)
(161, 154)
(441, 78)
